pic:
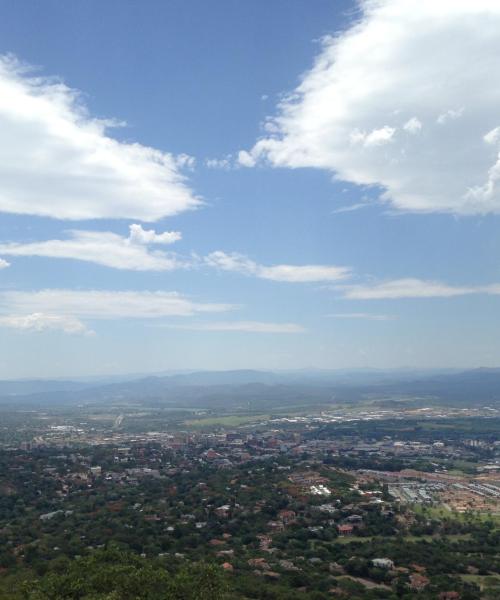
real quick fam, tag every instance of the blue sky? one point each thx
(223, 185)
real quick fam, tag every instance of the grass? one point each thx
(440, 512)
(228, 421)
(483, 581)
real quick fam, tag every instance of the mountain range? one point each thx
(267, 388)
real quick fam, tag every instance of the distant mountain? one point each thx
(239, 377)
(267, 389)
(36, 386)
(461, 389)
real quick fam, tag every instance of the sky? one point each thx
(232, 184)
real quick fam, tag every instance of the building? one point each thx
(345, 529)
(383, 563)
(418, 582)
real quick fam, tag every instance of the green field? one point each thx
(440, 512)
(485, 582)
(229, 421)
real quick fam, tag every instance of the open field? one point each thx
(227, 421)
(485, 582)
(441, 512)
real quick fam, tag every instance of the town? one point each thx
(274, 507)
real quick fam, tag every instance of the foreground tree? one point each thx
(116, 575)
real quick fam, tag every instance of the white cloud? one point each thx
(414, 288)
(58, 161)
(104, 304)
(289, 273)
(242, 326)
(4, 264)
(225, 163)
(149, 236)
(355, 111)
(107, 249)
(44, 322)
(185, 161)
(493, 136)
(413, 125)
(360, 315)
(302, 273)
(231, 262)
(376, 137)
(450, 115)
(132, 253)
(245, 159)
(349, 208)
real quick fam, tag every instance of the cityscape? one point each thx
(343, 502)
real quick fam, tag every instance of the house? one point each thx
(288, 565)
(211, 454)
(216, 542)
(418, 568)
(345, 529)
(272, 574)
(418, 582)
(152, 518)
(355, 519)
(50, 515)
(276, 525)
(223, 511)
(264, 541)
(383, 563)
(259, 563)
(287, 516)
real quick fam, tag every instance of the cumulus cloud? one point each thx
(149, 236)
(493, 136)
(107, 249)
(242, 326)
(245, 159)
(413, 125)
(104, 304)
(43, 322)
(4, 264)
(404, 100)
(58, 161)
(414, 288)
(376, 137)
(289, 273)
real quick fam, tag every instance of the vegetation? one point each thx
(114, 574)
(231, 513)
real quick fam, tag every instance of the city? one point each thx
(283, 501)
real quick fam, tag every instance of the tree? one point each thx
(113, 574)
